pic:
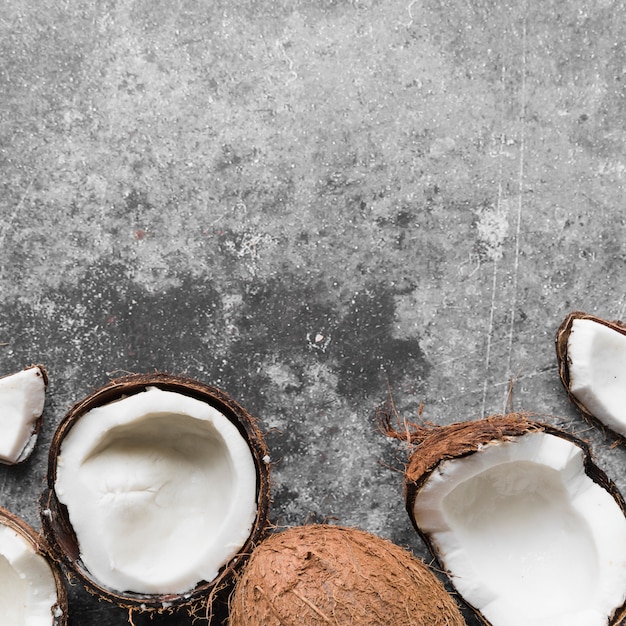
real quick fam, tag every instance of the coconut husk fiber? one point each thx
(322, 574)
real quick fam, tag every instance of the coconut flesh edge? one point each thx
(527, 537)
(597, 371)
(160, 490)
(27, 585)
(22, 398)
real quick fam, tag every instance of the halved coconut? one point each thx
(320, 574)
(31, 586)
(158, 486)
(592, 365)
(22, 398)
(530, 531)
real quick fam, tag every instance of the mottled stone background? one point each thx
(309, 203)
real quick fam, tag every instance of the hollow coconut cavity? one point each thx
(530, 531)
(157, 487)
(31, 587)
(320, 574)
(22, 398)
(592, 366)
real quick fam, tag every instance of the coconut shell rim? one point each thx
(561, 346)
(55, 518)
(41, 547)
(504, 428)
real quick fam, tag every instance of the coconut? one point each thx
(529, 529)
(158, 486)
(22, 398)
(321, 574)
(591, 354)
(31, 585)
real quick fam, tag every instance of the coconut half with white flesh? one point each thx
(158, 487)
(591, 353)
(530, 531)
(31, 586)
(22, 398)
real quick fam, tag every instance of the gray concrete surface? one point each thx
(306, 204)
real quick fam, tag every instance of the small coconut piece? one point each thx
(530, 531)
(158, 486)
(31, 586)
(591, 353)
(22, 398)
(321, 574)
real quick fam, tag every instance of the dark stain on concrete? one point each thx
(183, 330)
(298, 321)
(369, 354)
(135, 329)
(273, 322)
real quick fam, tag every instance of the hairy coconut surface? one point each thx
(62, 536)
(593, 377)
(321, 574)
(59, 607)
(437, 444)
(503, 500)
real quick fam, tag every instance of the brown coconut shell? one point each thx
(59, 616)
(58, 528)
(561, 345)
(321, 574)
(25, 455)
(435, 444)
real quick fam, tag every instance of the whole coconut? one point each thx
(321, 574)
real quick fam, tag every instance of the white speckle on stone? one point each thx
(492, 230)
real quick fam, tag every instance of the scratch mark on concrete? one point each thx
(9, 222)
(494, 280)
(622, 308)
(410, 12)
(520, 194)
(490, 334)
(546, 370)
(293, 74)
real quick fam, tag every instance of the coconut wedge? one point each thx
(158, 486)
(320, 574)
(22, 398)
(530, 531)
(31, 586)
(591, 353)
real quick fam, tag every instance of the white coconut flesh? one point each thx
(528, 538)
(160, 490)
(28, 593)
(22, 398)
(597, 371)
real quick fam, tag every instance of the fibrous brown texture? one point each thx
(438, 443)
(60, 534)
(59, 615)
(431, 444)
(561, 344)
(320, 574)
